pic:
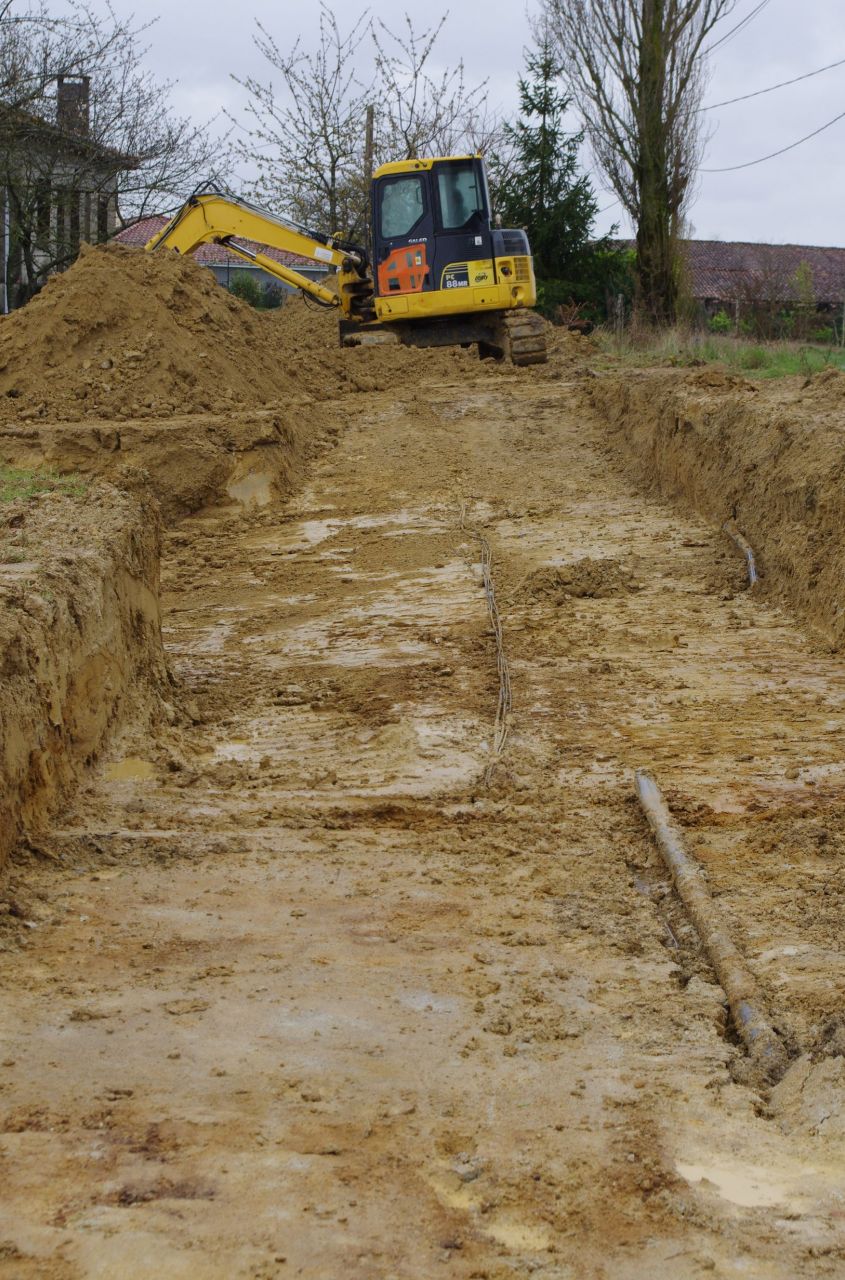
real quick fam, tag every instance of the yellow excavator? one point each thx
(437, 273)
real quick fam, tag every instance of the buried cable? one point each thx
(745, 547)
(764, 1045)
(504, 701)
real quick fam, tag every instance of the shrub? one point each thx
(243, 286)
(272, 296)
(720, 323)
(755, 358)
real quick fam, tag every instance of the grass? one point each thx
(17, 484)
(681, 347)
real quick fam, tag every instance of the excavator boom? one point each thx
(212, 217)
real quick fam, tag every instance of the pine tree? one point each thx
(540, 187)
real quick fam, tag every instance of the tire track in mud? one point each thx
(298, 957)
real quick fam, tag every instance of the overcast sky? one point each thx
(798, 197)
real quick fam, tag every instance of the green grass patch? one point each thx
(18, 484)
(682, 348)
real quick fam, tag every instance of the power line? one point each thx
(783, 84)
(739, 26)
(750, 163)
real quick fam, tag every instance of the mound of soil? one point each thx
(128, 334)
(826, 389)
(585, 579)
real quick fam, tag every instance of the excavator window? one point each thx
(402, 205)
(462, 199)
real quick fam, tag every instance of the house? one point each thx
(224, 264)
(722, 275)
(58, 188)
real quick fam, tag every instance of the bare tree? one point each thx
(306, 131)
(306, 136)
(421, 112)
(81, 121)
(637, 70)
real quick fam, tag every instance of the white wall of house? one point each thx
(225, 272)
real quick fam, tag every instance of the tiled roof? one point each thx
(727, 270)
(730, 270)
(138, 233)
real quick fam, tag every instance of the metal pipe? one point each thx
(763, 1043)
(745, 548)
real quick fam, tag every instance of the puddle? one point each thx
(211, 639)
(428, 1002)
(236, 749)
(19, 568)
(253, 490)
(314, 531)
(132, 769)
(517, 1235)
(741, 1185)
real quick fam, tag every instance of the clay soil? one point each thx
(300, 985)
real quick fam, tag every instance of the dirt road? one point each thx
(302, 996)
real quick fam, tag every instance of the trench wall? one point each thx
(80, 640)
(187, 462)
(771, 456)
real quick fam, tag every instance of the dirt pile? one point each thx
(584, 579)
(80, 638)
(127, 334)
(772, 458)
(826, 390)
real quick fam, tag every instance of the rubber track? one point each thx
(526, 338)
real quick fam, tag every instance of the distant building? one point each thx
(224, 264)
(58, 189)
(736, 276)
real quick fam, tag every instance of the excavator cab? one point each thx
(441, 269)
(432, 229)
(433, 237)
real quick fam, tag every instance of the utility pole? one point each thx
(6, 252)
(369, 143)
(369, 147)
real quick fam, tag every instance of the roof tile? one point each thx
(729, 270)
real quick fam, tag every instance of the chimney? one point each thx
(72, 104)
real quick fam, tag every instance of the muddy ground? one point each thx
(306, 982)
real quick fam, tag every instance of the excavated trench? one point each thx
(294, 945)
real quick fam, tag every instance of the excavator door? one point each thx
(431, 228)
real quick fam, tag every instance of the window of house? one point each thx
(61, 200)
(42, 216)
(75, 198)
(402, 205)
(103, 219)
(461, 196)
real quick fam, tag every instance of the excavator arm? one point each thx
(211, 217)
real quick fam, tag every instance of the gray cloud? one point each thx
(798, 197)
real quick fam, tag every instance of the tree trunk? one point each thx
(656, 277)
